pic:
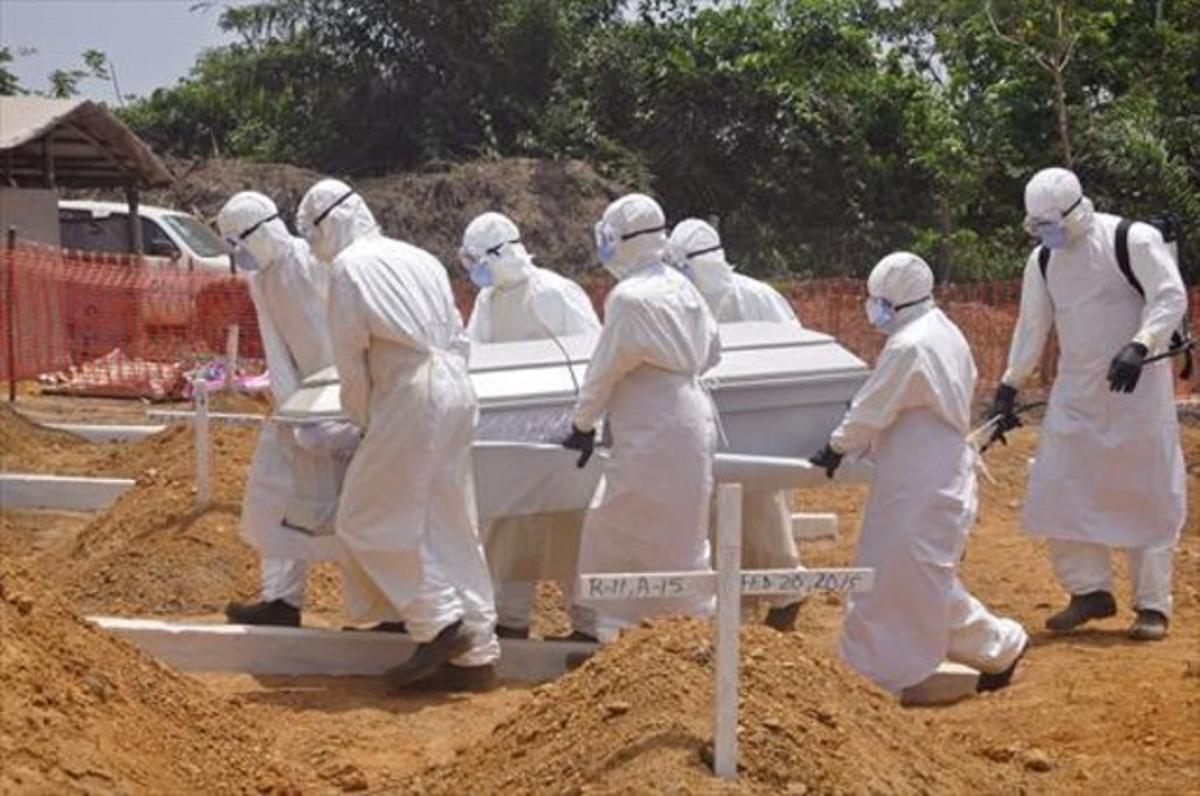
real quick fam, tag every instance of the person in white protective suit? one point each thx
(407, 518)
(292, 491)
(519, 301)
(658, 338)
(1109, 471)
(913, 416)
(695, 248)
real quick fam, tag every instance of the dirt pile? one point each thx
(26, 447)
(154, 552)
(637, 718)
(555, 202)
(82, 712)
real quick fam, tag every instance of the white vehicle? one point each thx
(170, 238)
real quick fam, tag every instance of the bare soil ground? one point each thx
(1090, 712)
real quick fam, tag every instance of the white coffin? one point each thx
(780, 390)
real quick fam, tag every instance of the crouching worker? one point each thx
(913, 414)
(406, 522)
(292, 491)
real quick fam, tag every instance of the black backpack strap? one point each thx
(1123, 256)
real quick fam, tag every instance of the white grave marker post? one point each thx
(231, 354)
(200, 396)
(729, 608)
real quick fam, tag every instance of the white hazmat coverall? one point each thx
(1109, 470)
(914, 414)
(292, 490)
(407, 519)
(524, 302)
(658, 338)
(767, 541)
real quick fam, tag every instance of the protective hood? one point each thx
(904, 281)
(695, 248)
(1056, 196)
(242, 218)
(636, 227)
(493, 239)
(331, 217)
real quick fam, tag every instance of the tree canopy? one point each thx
(819, 134)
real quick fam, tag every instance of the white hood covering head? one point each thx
(495, 239)
(695, 248)
(901, 278)
(638, 227)
(268, 243)
(332, 216)
(1054, 195)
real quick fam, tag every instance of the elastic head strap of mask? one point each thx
(709, 250)
(899, 307)
(629, 235)
(495, 250)
(250, 230)
(317, 221)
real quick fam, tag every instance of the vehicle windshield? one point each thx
(199, 238)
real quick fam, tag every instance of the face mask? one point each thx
(480, 274)
(1053, 235)
(713, 278)
(243, 260)
(606, 243)
(880, 312)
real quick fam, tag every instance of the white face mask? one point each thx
(712, 278)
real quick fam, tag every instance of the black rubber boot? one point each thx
(451, 678)
(1149, 626)
(275, 612)
(1083, 608)
(783, 619)
(451, 642)
(998, 680)
(503, 631)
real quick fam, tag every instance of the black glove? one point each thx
(1004, 404)
(829, 459)
(1126, 368)
(582, 441)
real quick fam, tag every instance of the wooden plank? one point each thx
(65, 493)
(199, 647)
(107, 433)
(752, 582)
(951, 682)
(729, 619)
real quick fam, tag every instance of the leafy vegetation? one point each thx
(819, 134)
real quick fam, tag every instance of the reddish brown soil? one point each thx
(1090, 712)
(82, 712)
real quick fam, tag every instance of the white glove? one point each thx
(329, 436)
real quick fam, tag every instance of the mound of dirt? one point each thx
(26, 447)
(154, 552)
(637, 718)
(555, 202)
(83, 712)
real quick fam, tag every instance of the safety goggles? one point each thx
(472, 256)
(236, 241)
(325, 213)
(606, 237)
(701, 252)
(1037, 226)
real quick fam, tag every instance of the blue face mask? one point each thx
(1053, 235)
(480, 274)
(880, 312)
(606, 243)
